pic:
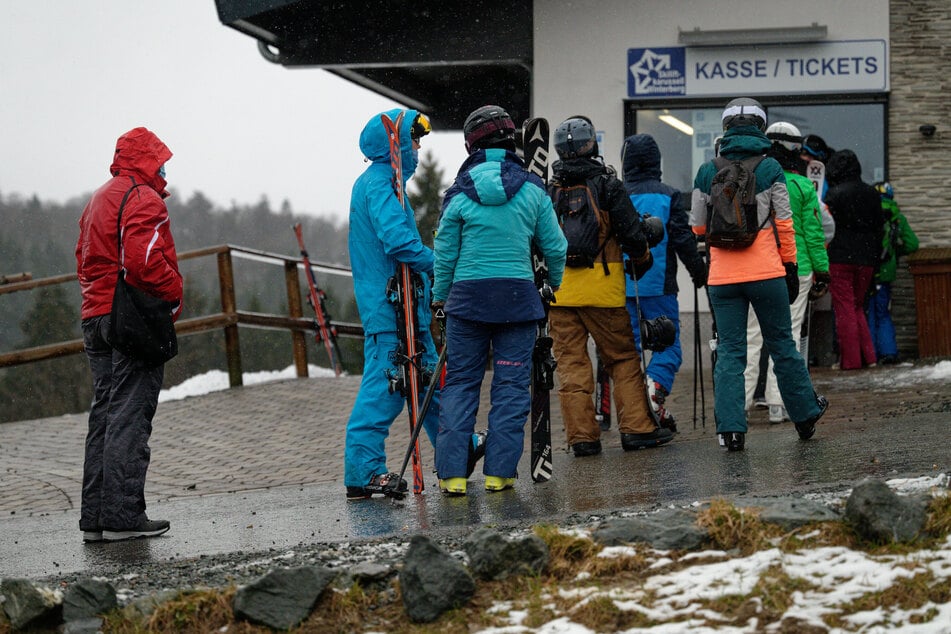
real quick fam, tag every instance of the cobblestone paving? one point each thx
(292, 433)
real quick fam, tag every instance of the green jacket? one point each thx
(899, 240)
(807, 220)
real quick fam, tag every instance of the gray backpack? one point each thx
(732, 220)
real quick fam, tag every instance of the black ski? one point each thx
(602, 397)
(326, 331)
(654, 414)
(534, 142)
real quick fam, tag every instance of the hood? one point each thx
(578, 169)
(140, 153)
(843, 166)
(640, 158)
(375, 143)
(790, 161)
(743, 141)
(490, 177)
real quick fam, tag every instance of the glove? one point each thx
(636, 269)
(792, 280)
(820, 284)
(699, 275)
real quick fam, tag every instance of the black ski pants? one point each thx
(125, 396)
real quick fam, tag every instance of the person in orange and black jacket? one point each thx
(126, 390)
(763, 275)
(592, 301)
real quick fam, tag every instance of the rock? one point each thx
(432, 582)
(670, 529)
(88, 598)
(282, 598)
(368, 571)
(89, 625)
(142, 608)
(493, 557)
(27, 604)
(879, 514)
(788, 512)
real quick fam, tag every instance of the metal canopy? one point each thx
(445, 59)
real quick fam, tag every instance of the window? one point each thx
(686, 135)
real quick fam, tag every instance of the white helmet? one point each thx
(786, 134)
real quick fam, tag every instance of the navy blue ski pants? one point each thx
(468, 344)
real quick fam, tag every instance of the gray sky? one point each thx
(75, 75)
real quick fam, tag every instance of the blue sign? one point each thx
(656, 72)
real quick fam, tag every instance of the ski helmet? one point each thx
(816, 147)
(486, 126)
(786, 134)
(576, 137)
(744, 111)
(884, 188)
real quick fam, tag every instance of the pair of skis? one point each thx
(535, 137)
(326, 332)
(405, 290)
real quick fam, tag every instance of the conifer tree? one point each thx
(426, 197)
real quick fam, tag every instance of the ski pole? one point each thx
(392, 488)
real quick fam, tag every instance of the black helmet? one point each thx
(487, 126)
(576, 137)
(816, 147)
(744, 111)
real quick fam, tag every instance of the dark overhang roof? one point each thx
(445, 59)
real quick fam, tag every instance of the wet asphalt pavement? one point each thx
(876, 427)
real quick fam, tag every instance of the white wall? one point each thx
(580, 64)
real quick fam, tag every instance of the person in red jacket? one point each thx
(125, 389)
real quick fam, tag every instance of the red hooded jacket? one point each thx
(148, 250)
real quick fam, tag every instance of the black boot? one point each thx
(733, 440)
(807, 428)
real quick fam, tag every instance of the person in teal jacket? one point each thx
(383, 233)
(492, 214)
(899, 239)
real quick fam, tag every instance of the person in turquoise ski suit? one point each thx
(383, 233)
(492, 214)
(899, 239)
(657, 290)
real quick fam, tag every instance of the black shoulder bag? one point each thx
(141, 325)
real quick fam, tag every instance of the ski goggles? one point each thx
(421, 127)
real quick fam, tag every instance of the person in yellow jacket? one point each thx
(592, 299)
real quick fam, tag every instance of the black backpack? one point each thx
(580, 217)
(732, 220)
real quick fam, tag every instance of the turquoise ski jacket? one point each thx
(383, 232)
(492, 214)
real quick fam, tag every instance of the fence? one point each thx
(229, 319)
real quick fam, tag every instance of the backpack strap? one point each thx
(604, 257)
(119, 222)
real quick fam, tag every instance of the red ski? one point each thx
(326, 331)
(404, 290)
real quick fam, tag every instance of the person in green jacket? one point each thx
(810, 255)
(899, 239)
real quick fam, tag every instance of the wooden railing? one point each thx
(228, 319)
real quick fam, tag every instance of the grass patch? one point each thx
(601, 614)
(939, 517)
(907, 593)
(731, 528)
(191, 612)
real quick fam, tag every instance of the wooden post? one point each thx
(229, 308)
(295, 309)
